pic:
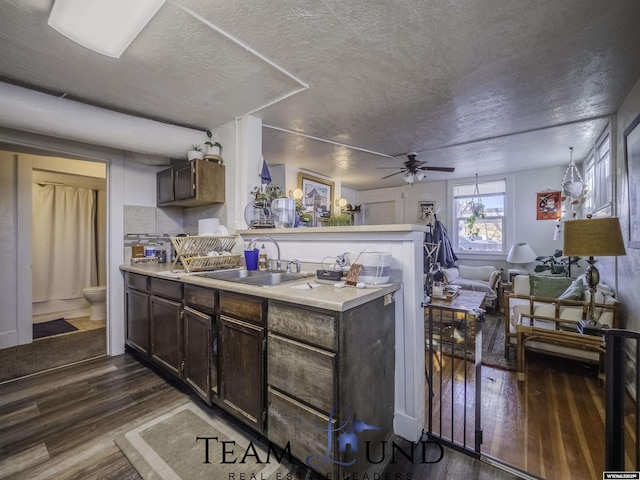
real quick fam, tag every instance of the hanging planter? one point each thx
(476, 207)
(573, 186)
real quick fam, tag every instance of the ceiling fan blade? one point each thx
(439, 169)
(402, 171)
(389, 168)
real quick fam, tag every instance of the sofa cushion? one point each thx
(476, 286)
(521, 285)
(575, 291)
(476, 273)
(450, 274)
(548, 286)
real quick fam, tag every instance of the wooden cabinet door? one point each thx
(137, 304)
(200, 353)
(184, 181)
(242, 371)
(164, 186)
(166, 333)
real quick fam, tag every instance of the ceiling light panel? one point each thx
(104, 26)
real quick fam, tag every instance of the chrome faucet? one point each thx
(252, 245)
(296, 262)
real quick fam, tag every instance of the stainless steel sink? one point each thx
(253, 277)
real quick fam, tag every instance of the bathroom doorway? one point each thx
(69, 250)
(20, 353)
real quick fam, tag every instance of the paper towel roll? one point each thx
(208, 226)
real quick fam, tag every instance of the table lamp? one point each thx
(593, 237)
(520, 253)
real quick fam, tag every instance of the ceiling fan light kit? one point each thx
(414, 171)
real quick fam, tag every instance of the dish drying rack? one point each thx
(193, 252)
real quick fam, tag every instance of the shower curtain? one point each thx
(64, 242)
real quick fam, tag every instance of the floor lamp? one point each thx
(593, 237)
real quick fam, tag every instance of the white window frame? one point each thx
(599, 175)
(507, 220)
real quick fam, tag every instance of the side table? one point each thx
(505, 289)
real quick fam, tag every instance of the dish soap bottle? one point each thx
(263, 263)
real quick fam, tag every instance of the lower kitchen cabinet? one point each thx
(242, 370)
(166, 333)
(201, 338)
(242, 357)
(198, 339)
(138, 320)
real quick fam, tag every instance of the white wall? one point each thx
(522, 225)
(625, 271)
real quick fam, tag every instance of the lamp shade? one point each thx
(593, 237)
(521, 253)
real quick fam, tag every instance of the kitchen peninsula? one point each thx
(283, 359)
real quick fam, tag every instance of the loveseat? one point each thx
(541, 303)
(479, 279)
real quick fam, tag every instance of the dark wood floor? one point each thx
(551, 425)
(61, 424)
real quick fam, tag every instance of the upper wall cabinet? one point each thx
(190, 184)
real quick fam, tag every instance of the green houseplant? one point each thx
(213, 147)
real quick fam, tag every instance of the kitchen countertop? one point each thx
(324, 296)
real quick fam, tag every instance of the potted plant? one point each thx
(195, 152)
(214, 149)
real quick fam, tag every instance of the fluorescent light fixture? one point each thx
(104, 26)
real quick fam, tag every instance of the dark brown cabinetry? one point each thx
(137, 312)
(165, 320)
(330, 366)
(201, 341)
(191, 184)
(242, 352)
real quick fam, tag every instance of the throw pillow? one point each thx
(548, 286)
(495, 278)
(574, 292)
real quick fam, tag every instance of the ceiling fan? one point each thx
(414, 170)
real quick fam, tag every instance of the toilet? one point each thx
(96, 296)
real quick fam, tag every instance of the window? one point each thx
(599, 178)
(479, 210)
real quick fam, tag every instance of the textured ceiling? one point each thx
(482, 85)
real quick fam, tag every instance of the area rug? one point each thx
(52, 327)
(51, 352)
(492, 343)
(168, 448)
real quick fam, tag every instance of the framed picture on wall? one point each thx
(549, 205)
(632, 155)
(426, 211)
(317, 193)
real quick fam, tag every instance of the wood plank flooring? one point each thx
(551, 425)
(61, 425)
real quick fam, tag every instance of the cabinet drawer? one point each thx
(200, 298)
(304, 427)
(318, 328)
(242, 306)
(166, 288)
(302, 371)
(139, 282)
